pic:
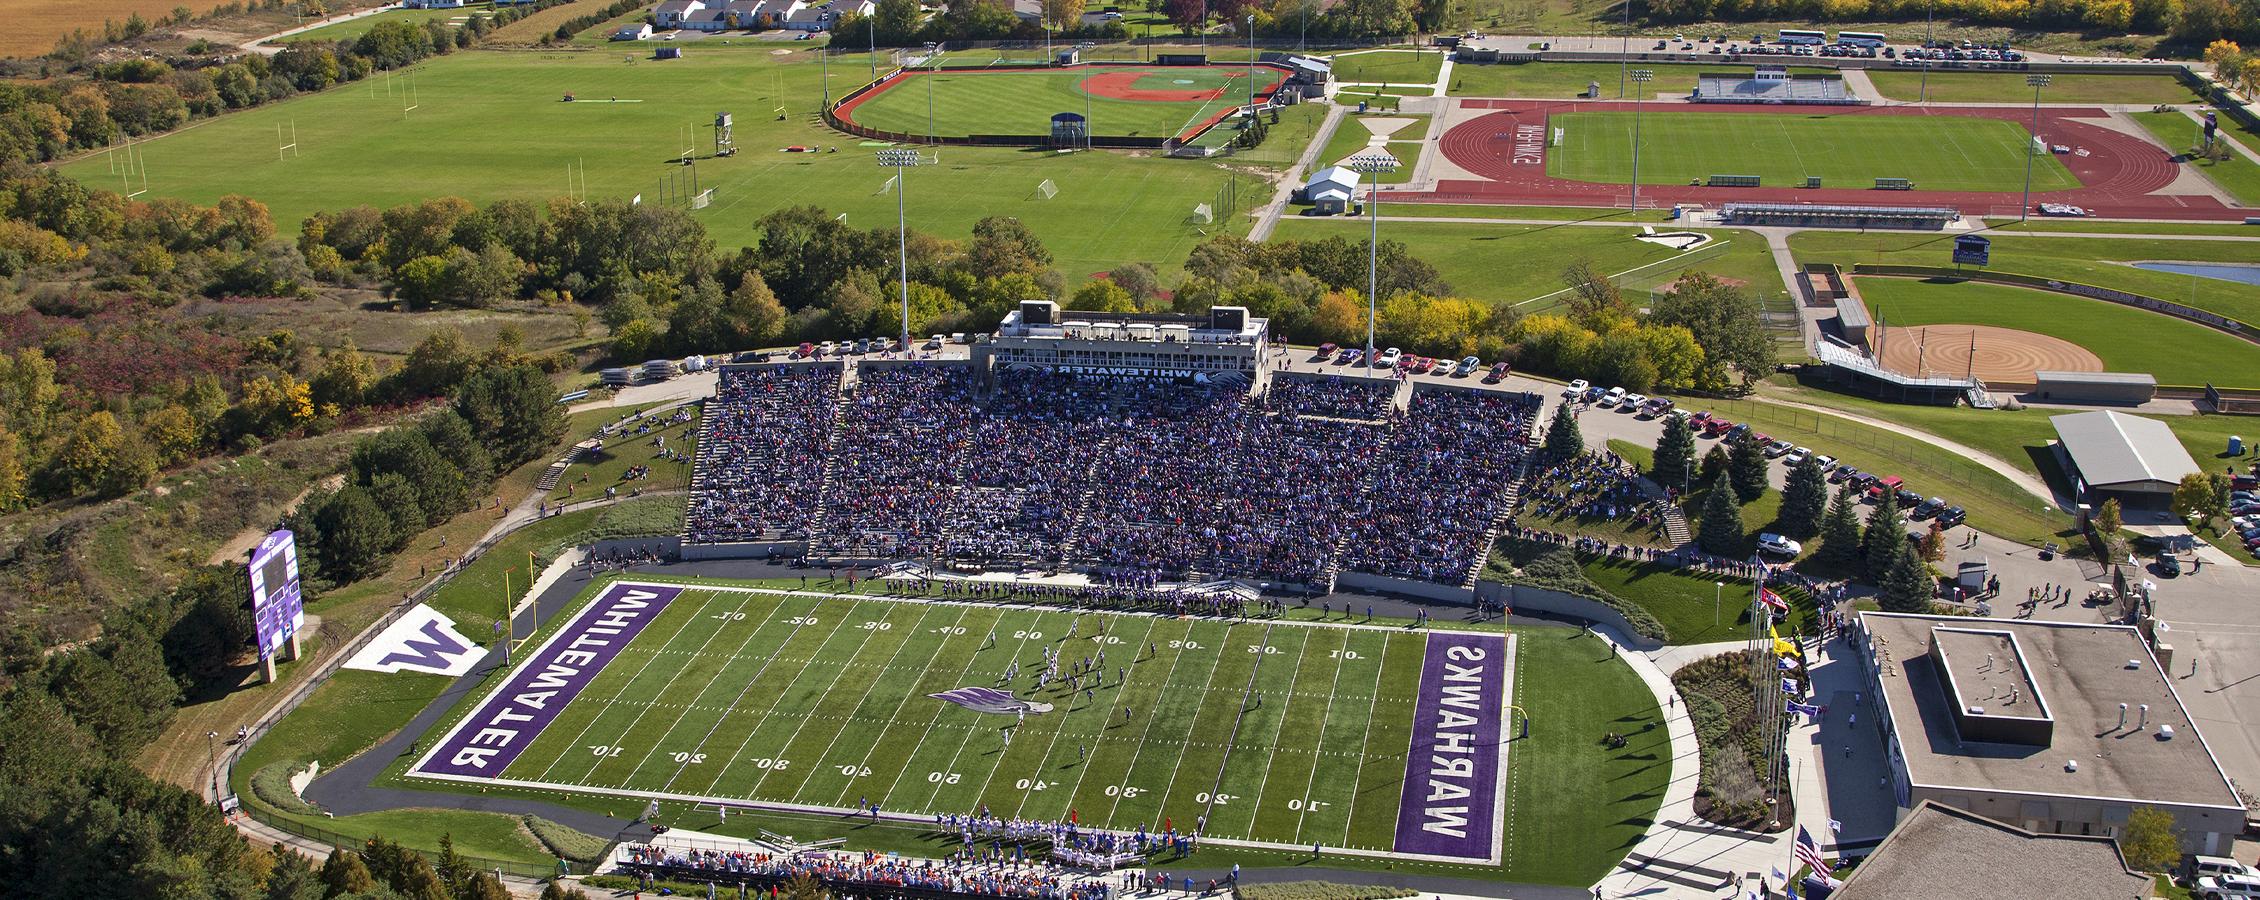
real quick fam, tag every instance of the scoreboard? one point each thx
(277, 609)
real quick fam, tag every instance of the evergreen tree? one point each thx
(1563, 438)
(1714, 464)
(483, 886)
(1746, 467)
(345, 873)
(513, 410)
(1884, 537)
(453, 872)
(1675, 454)
(355, 534)
(556, 890)
(1906, 585)
(1720, 530)
(1804, 498)
(1840, 534)
(292, 878)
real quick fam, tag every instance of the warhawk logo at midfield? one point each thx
(992, 701)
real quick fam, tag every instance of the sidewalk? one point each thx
(265, 47)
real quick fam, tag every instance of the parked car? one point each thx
(1499, 371)
(1828, 463)
(1326, 351)
(1797, 457)
(1424, 365)
(1700, 419)
(1887, 484)
(1388, 359)
(1778, 545)
(1577, 388)
(1614, 396)
(2168, 565)
(1842, 474)
(1908, 499)
(1347, 356)
(1632, 402)
(1468, 366)
(1952, 516)
(1778, 449)
(827, 348)
(1927, 509)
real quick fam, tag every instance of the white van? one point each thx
(2226, 887)
(2196, 867)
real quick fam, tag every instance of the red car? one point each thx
(1499, 373)
(1422, 365)
(1716, 427)
(1326, 351)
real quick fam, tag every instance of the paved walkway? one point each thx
(2017, 476)
(1293, 179)
(266, 47)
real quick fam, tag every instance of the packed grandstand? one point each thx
(1305, 479)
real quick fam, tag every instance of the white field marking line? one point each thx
(739, 753)
(967, 741)
(933, 721)
(908, 637)
(845, 663)
(1365, 748)
(1340, 662)
(664, 691)
(1782, 126)
(583, 734)
(989, 781)
(740, 698)
(865, 762)
(1145, 735)
(1179, 763)
(1501, 818)
(699, 694)
(1292, 680)
(1083, 767)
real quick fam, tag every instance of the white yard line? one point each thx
(845, 662)
(939, 711)
(664, 691)
(1083, 768)
(867, 687)
(865, 762)
(697, 695)
(1152, 715)
(591, 723)
(1261, 787)
(931, 798)
(733, 707)
(1324, 718)
(739, 753)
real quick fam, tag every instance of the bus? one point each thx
(1860, 38)
(1788, 36)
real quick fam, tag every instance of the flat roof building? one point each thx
(2129, 388)
(2054, 727)
(2114, 454)
(1939, 851)
(1224, 346)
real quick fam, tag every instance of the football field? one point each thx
(1256, 732)
(1938, 153)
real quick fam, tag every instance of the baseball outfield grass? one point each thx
(492, 124)
(2124, 338)
(1944, 153)
(1523, 264)
(2096, 261)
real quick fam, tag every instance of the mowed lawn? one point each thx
(2096, 261)
(1521, 263)
(1564, 81)
(1388, 67)
(2180, 133)
(2010, 87)
(1942, 153)
(358, 27)
(1010, 102)
(2124, 338)
(1352, 136)
(1288, 734)
(491, 125)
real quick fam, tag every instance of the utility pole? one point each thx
(900, 160)
(1372, 163)
(2038, 81)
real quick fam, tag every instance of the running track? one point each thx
(2120, 177)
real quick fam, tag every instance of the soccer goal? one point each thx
(1203, 215)
(703, 200)
(1045, 189)
(886, 187)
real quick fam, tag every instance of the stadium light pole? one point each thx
(900, 159)
(1640, 82)
(1251, 65)
(1624, 50)
(2038, 81)
(1373, 164)
(212, 745)
(1718, 596)
(1922, 95)
(871, 43)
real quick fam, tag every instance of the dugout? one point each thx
(2111, 388)
(1070, 129)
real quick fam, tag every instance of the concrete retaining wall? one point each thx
(1425, 590)
(745, 550)
(1519, 598)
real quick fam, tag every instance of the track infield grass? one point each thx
(2010, 87)
(2124, 338)
(2180, 133)
(491, 125)
(1945, 153)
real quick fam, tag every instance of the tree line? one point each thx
(2193, 23)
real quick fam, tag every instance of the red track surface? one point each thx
(2120, 176)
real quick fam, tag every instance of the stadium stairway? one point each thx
(1675, 526)
(818, 519)
(1498, 522)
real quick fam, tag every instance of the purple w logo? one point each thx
(432, 652)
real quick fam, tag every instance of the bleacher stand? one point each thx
(1931, 218)
(762, 452)
(1816, 90)
(1448, 473)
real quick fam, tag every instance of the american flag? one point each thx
(1809, 853)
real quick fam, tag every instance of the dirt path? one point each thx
(235, 547)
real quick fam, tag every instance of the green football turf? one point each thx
(491, 124)
(1942, 153)
(955, 104)
(823, 701)
(2124, 338)
(2010, 87)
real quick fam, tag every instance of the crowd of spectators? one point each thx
(763, 461)
(1132, 479)
(1447, 473)
(1594, 486)
(847, 871)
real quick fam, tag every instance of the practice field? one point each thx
(1381, 741)
(2010, 87)
(1944, 153)
(1133, 101)
(492, 124)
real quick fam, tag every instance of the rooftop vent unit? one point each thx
(2134, 664)
(2165, 732)
(2071, 765)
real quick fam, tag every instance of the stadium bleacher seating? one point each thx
(1731, 181)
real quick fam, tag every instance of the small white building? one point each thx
(431, 4)
(637, 32)
(1331, 190)
(674, 13)
(808, 18)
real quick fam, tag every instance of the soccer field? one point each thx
(1257, 732)
(1023, 102)
(1941, 153)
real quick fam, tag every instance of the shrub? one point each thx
(1321, 890)
(564, 842)
(271, 784)
(640, 517)
(1552, 568)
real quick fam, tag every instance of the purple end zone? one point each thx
(1451, 795)
(486, 741)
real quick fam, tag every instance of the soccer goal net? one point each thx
(704, 199)
(1203, 214)
(1045, 190)
(885, 186)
